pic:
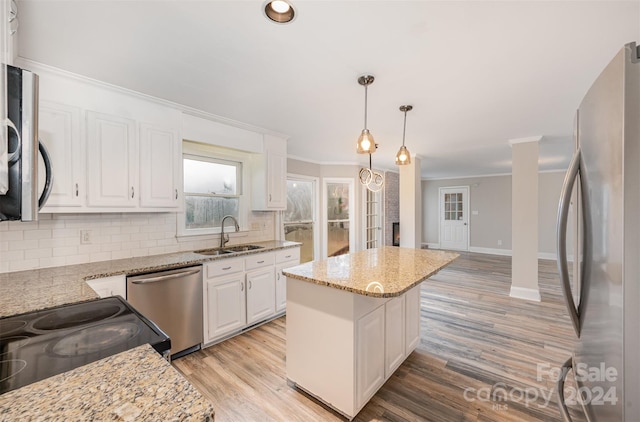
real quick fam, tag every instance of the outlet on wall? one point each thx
(85, 237)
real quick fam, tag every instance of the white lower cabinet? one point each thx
(394, 333)
(412, 319)
(224, 306)
(370, 355)
(342, 346)
(109, 286)
(261, 295)
(284, 259)
(240, 292)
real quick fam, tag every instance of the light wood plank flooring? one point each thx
(474, 339)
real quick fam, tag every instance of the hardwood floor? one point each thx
(476, 343)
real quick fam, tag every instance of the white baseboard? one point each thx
(490, 251)
(525, 293)
(432, 245)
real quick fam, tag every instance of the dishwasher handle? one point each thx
(165, 277)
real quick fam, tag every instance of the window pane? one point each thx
(338, 201)
(299, 201)
(207, 212)
(303, 233)
(210, 177)
(338, 239)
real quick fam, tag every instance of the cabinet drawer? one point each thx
(223, 267)
(259, 260)
(291, 254)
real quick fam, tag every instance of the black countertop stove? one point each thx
(41, 344)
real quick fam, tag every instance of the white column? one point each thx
(524, 218)
(411, 205)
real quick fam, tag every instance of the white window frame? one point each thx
(219, 154)
(353, 210)
(316, 210)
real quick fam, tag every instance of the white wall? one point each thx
(491, 197)
(54, 240)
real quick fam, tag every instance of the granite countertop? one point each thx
(382, 272)
(133, 385)
(32, 290)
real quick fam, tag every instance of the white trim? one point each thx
(465, 177)
(475, 176)
(514, 141)
(37, 66)
(324, 163)
(490, 251)
(431, 245)
(549, 255)
(524, 293)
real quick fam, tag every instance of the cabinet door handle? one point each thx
(269, 197)
(278, 275)
(76, 189)
(176, 193)
(242, 287)
(250, 285)
(132, 192)
(226, 268)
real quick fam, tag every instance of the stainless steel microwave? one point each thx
(21, 200)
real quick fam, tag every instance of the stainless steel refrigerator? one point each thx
(603, 296)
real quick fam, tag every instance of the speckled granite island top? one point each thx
(32, 290)
(382, 272)
(136, 385)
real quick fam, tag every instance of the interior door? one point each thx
(454, 218)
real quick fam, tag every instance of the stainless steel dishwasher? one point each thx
(173, 300)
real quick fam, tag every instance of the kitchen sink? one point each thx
(243, 248)
(230, 249)
(213, 252)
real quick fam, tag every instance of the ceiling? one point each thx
(478, 73)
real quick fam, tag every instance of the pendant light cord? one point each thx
(404, 130)
(365, 106)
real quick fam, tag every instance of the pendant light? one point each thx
(366, 144)
(403, 156)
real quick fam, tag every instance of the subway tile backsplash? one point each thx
(54, 240)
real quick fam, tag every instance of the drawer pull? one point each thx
(226, 268)
(261, 262)
(287, 256)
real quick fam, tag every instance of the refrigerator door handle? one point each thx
(561, 247)
(564, 411)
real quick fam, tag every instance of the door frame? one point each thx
(466, 202)
(353, 210)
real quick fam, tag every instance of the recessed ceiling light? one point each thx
(279, 11)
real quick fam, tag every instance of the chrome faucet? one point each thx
(224, 240)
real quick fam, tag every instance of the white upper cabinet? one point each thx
(59, 130)
(269, 176)
(111, 161)
(159, 166)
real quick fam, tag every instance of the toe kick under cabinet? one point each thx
(243, 291)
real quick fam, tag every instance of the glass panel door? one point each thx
(373, 219)
(300, 216)
(338, 234)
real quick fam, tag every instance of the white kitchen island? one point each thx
(353, 319)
